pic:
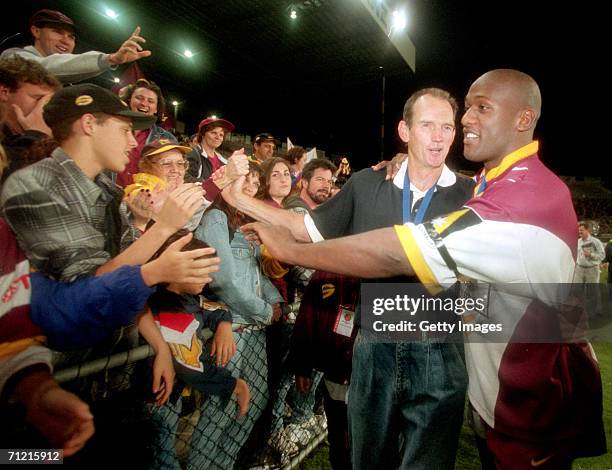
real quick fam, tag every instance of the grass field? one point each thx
(467, 455)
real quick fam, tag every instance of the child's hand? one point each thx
(223, 344)
(163, 376)
(277, 312)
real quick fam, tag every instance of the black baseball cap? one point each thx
(52, 17)
(264, 137)
(74, 101)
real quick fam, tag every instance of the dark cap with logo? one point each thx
(51, 17)
(72, 102)
(163, 145)
(264, 137)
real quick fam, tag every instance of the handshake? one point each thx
(237, 166)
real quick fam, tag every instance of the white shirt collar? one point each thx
(447, 178)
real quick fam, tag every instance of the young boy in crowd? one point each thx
(65, 211)
(179, 313)
(177, 309)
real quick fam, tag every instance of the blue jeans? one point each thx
(220, 434)
(303, 404)
(406, 403)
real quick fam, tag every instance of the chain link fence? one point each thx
(192, 431)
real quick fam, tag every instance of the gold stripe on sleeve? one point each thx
(416, 259)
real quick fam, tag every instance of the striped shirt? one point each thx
(520, 231)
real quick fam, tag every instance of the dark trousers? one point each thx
(337, 432)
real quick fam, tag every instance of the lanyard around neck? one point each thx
(407, 200)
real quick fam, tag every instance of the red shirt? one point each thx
(15, 323)
(215, 162)
(125, 178)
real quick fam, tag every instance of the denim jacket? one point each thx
(239, 283)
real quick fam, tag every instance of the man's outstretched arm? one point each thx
(372, 254)
(261, 211)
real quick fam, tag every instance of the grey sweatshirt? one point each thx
(68, 68)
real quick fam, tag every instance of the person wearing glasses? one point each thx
(146, 97)
(164, 159)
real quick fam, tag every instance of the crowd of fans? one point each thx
(107, 220)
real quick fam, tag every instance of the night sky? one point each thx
(456, 42)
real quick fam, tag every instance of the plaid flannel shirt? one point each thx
(67, 224)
